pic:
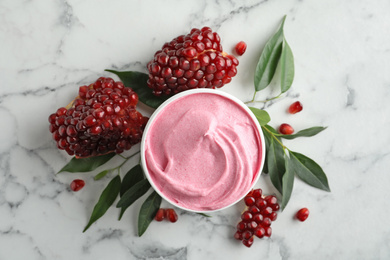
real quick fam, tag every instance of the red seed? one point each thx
(77, 185)
(238, 235)
(295, 107)
(260, 232)
(240, 48)
(246, 216)
(302, 214)
(248, 243)
(286, 129)
(171, 215)
(160, 215)
(249, 201)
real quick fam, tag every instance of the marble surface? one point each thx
(342, 51)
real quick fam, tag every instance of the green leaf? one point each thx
(261, 115)
(287, 182)
(267, 140)
(132, 194)
(271, 129)
(147, 212)
(276, 164)
(303, 133)
(133, 176)
(287, 67)
(101, 175)
(309, 171)
(138, 82)
(106, 199)
(269, 58)
(86, 164)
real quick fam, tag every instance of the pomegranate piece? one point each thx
(295, 107)
(195, 60)
(160, 215)
(171, 215)
(256, 219)
(77, 185)
(302, 214)
(102, 119)
(240, 48)
(286, 129)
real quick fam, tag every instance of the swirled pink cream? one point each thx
(203, 151)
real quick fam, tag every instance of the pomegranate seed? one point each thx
(252, 225)
(286, 129)
(77, 185)
(240, 48)
(261, 203)
(241, 226)
(238, 235)
(171, 215)
(267, 211)
(273, 216)
(295, 107)
(247, 234)
(249, 201)
(160, 215)
(249, 242)
(254, 210)
(268, 231)
(260, 232)
(258, 218)
(246, 216)
(302, 214)
(257, 193)
(266, 222)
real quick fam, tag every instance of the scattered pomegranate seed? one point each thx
(240, 48)
(77, 185)
(302, 214)
(295, 107)
(257, 217)
(286, 129)
(171, 215)
(160, 215)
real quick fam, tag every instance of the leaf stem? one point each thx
(272, 134)
(126, 159)
(263, 101)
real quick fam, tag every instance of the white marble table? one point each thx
(342, 52)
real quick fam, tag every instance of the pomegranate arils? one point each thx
(295, 107)
(77, 185)
(240, 48)
(248, 243)
(171, 215)
(249, 201)
(286, 129)
(257, 218)
(102, 119)
(187, 62)
(302, 214)
(160, 215)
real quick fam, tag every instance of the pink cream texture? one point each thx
(203, 152)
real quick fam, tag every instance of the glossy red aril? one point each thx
(302, 214)
(77, 185)
(286, 129)
(257, 217)
(171, 215)
(195, 60)
(102, 119)
(240, 48)
(295, 107)
(160, 215)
